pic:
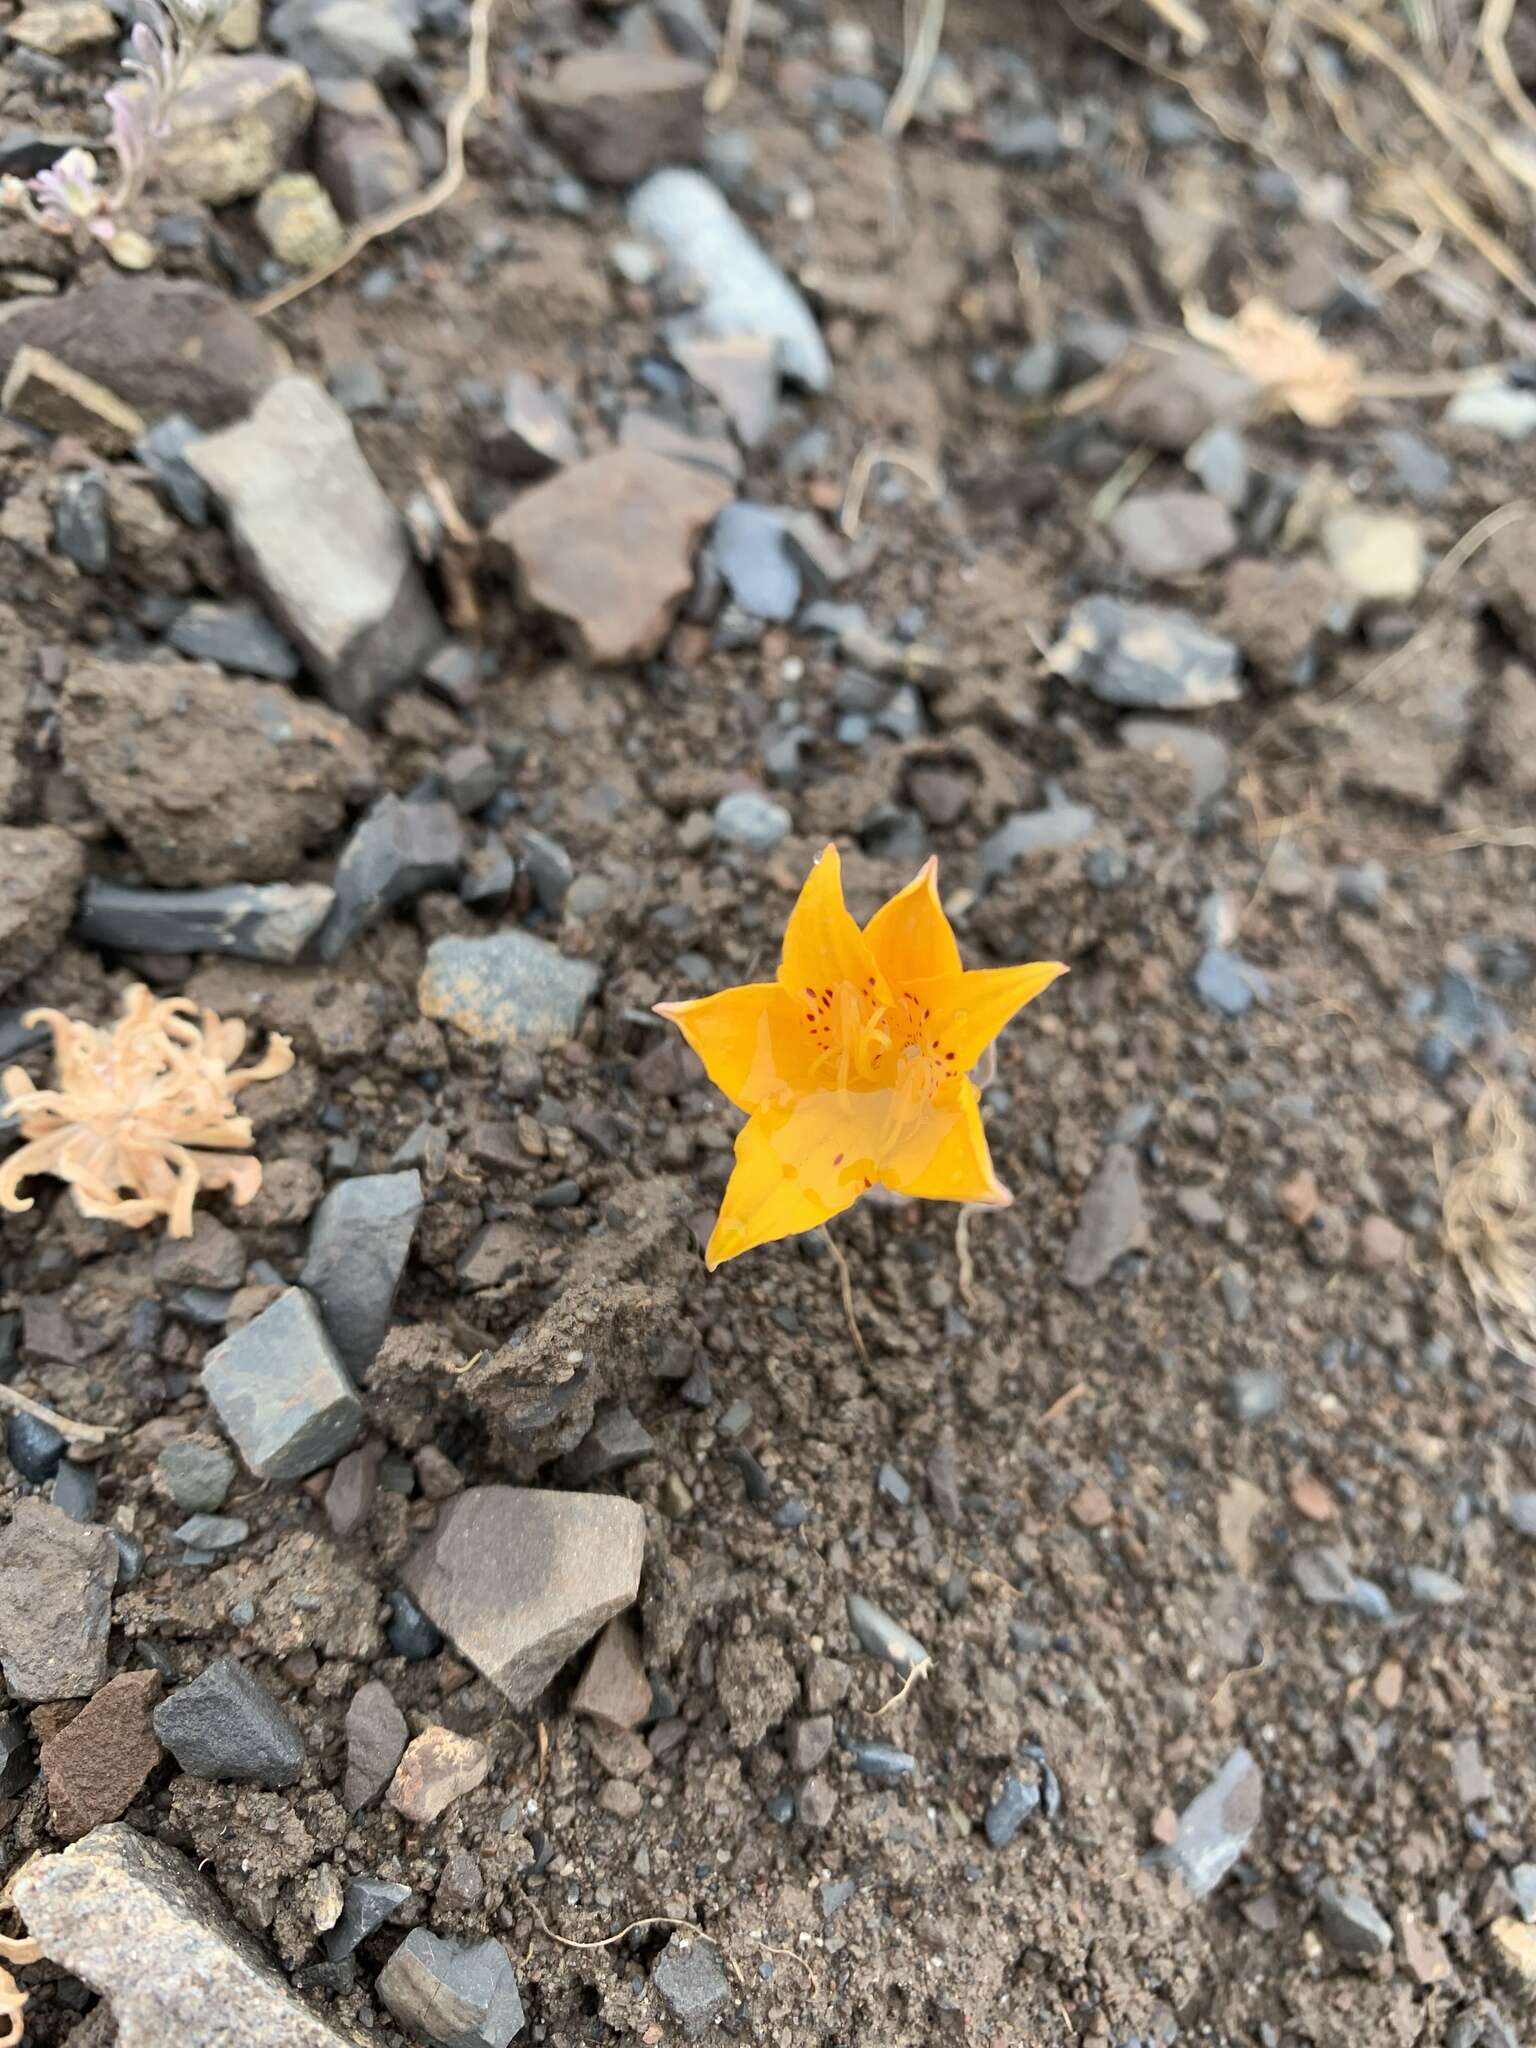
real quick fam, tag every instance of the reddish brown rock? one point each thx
(616, 115)
(437, 1768)
(96, 1767)
(606, 547)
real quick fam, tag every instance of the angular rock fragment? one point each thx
(137, 1922)
(40, 872)
(452, 1994)
(225, 1725)
(359, 1242)
(369, 1903)
(1215, 1827)
(1146, 658)
(323, 541)
(1111, 1221)
(692, 1981)
(376, 1738)
(512, 989)
(96, 1766)
(56, 1580)
(616, 115)
(396, 851)
(239, 637)
(614, 1688)
(233, 125)
(282, 1393)
(437, 1768)
(518, 1578)
(251, 921)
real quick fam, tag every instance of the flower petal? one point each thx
(751, 1040)
(910, 936)
(945, 1157)
(796, 1169)
(970, 1009)
(822, 944)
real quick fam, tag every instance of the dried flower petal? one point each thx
(141, 1114)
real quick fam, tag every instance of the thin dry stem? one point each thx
(845, 1282)
(919, 1670)
(1491, 34)
(721, 89)
(875, 455)
(924, 25)
(1182, 20)
(419, 204)
(86, 1432)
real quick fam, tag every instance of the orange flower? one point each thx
(853, 1066)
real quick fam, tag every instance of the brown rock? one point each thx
(437, 1768)
(56, 1580)
(614, 1688)
(1168, 397)
(623, 1800)
(49, 394)
(376, 1736)
(354, 1482)
(1507, 742)
(1380, 1243)
(234, 125)
(1092, 1507)
(1296, 1198)
(740, 371)
(161, 344)
(41, 871)
(60, 27)
(607, 548)
(1165, 535)
(96, 1767)
(619, 1751)
(810, 1742)
(518, 1578)
(756, 1685)
(616, 115)
(209, 778)
(1111, 1221)
(361, 155)
(1279, 612)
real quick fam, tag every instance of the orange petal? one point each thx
(822, 944)
(751, 1040)
(794, 1170)
(945, 1158)
(910, 936)
(969, 1010)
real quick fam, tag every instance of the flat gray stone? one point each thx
(751, 552)
(1349, 1922)
(745, 817)
(239, 637)
(1111, 1221)
(359, 1242)
(396, 851)
(199, 1476)
(1145, 657)
(56, 1580)
(692, 1981)
(518, 1578)
(282, 1393)
(326, 546)
(368, 1904)
(1058, 823)
(376, 1737)
(740, 290)
(136, 1922)
(251, 921)
(1167, 534)
(1215, 1827)
(451, 1993)
(225, 1725)
(511, 989)
(882, 1637)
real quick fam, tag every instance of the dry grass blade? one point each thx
(1488, 1219)
(1491, 34)
(83, 1432)
(721, 89)
(876, 455)
(1399, 192)
(924, 23)
(1183, 21)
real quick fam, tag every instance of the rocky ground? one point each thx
(444, 666)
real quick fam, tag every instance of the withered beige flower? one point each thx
(12, 1998)
(1285, 355)
(141, 1114)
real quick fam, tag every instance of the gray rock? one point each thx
(226, 1725)
(1349, 1922)
(1324, 1577)
(739, 289)
(1254, 1396)
(323, 542)
(282, 1393)
(1418, 469)
(359, 1242)
(136, 1922)
(617, 1439)
(749, 548)
(550, 869)
(518, 1578)
(745, 817)
(469, 777)
(1206, 759)
(239, 637)
(1500, 409)
(212, 1532)
(82, 529)
(1228, 984)
(452, 1994)
(56, 1581)
(347, 38)
(163, 452)
(1215, 1827)
(1429, 1588)
(1060, 823)
(533, 434)
(1008, 1812)
(512, 989)
(359, 150)
(1520, 1511)
(18, 1764)
(882, 1760)
(1146, 658)
(396, 851)
(1170, 534)
(691, 1982)
(198, 1476)
(368, 1904)
(882, 1637)
(250, 920)
(1522, 1882)
(1111, 1221)
(75, 1489)
(376, 1737)
(1220, 460)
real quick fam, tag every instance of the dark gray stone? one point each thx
(1254, 1395)
(252, 921)
(882, 1637)
(745, 817)
(34, 1447)
(748, 546)
(225, 1725)
(691, 1981)
(881, 1759)
(82, 530)
(470, 777)
(1111, 1221)
(1349, 1922)
(411, 1635)
(1146, 658)
(368, 1904)
(75, 1488)
(452, 1994)
(1008, 1812)
(616, 1439)
(376, 1737)
(359, 1242)
(550, 870)
(239, 637)
(1215, 1827)
(396, 851)
(282, 1393)
(508, 990)
(534, 434)
(212, 1532)
(198, 1476)
(1060, 823)
(163, 451)
(18, 1765)
(1228, 984)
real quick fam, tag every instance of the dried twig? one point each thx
(86, 1432)
(419, 204)
(721, 89)
(875, 455)
(1183, 21)
(845, 1281)
(607, 1941)
(1491, 33)
(923, 22)
(919, 1670)
(460, 551)
(1062, 1403)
